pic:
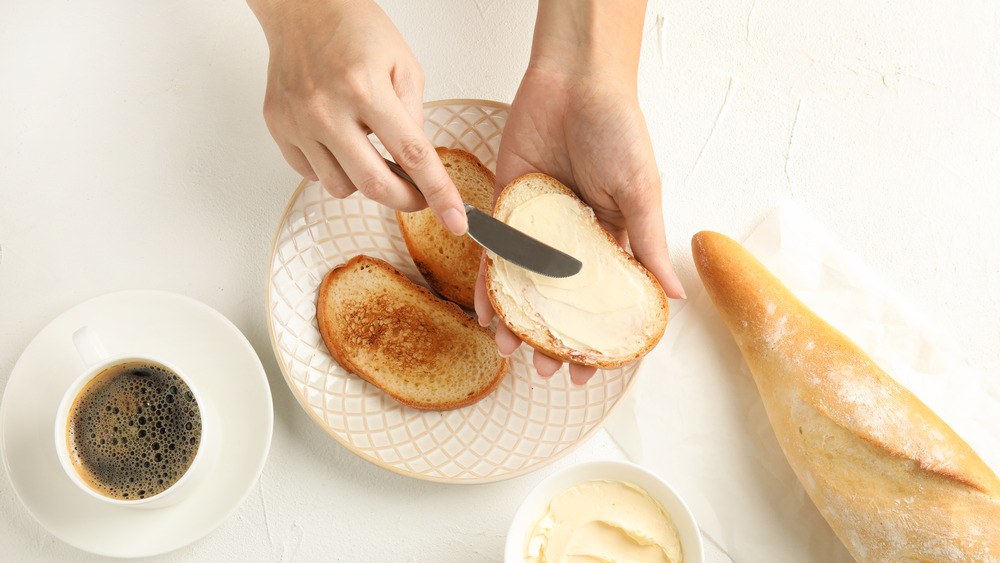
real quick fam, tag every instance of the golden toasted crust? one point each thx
(893, 480)
(424, 352)
(539, 336)
(447, 262)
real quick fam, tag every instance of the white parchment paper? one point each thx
(695, 416)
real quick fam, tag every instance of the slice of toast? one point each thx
(424, 352)
(447, 262)
(609, 314)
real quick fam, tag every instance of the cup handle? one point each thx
(89, 346)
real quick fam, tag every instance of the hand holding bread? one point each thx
(590, 134)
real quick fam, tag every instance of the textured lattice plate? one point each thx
(526, 423)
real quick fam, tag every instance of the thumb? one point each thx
(642, 209)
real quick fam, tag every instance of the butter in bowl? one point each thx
(607, 510)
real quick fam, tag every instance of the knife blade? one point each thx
(509, 243)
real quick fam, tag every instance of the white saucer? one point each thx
(199, 341)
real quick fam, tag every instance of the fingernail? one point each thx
(505, 354)
(454, 221)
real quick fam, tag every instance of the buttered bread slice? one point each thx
(424, 352)
(610, 313)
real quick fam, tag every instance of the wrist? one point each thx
(589, 39)
(279, 16)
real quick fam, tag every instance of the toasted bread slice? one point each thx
(609, 314)
(450, 263)
(424, 352)
(893, 480)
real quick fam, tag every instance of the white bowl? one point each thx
(535, 504)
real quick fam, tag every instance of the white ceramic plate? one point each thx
(535, 504)
(198, 340)
(523, 425)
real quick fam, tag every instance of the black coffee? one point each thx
(133, 430)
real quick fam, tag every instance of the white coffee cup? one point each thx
(97, 362)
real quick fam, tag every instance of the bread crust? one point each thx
(449, 263)
(539, 336)
(399, 337)
(892, 479)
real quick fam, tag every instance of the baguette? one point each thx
(892, 479)
(449, 263)
(424, 352)
(609, 314)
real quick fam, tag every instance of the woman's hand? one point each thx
(576, 117)
(338, 71)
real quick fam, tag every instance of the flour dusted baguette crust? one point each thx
(424, 352)
(891, 478)
(584, 319)
(449, 263)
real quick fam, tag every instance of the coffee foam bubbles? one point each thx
(134, 430)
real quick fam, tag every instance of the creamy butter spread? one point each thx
(599, 308)
(603, 521)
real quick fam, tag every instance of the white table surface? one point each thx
(133, 154)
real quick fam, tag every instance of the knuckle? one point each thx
(374, 187)
(414, 153)
(284, 117)
(339, 190)
(648, 177)
(643, 189)
(358, 88)
(433, 189)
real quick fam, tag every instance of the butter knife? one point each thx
(509, 243)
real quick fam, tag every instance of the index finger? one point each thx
(413, 151)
